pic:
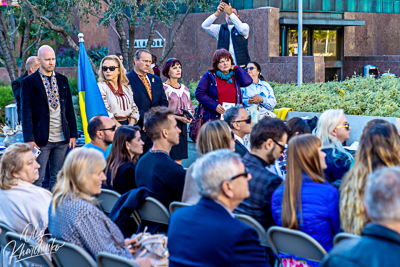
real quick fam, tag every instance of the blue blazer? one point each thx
(142, 98)
(35, 109)
(207, 235)
(207, 91)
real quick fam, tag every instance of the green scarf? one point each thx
(227, 77)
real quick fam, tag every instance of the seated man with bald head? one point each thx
(32, 65)
(48, 118)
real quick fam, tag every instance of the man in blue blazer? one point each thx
(147, 90)
(48, 118)
(207, 234)
(240, 122)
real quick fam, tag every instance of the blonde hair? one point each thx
(379, 147)
(326, 124)
(122, 79)
(11, 162)
(213, 135)
(78, 168)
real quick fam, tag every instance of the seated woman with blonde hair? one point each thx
(74, 217)
(116, 92)
(24, 207)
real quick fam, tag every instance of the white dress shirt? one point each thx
(213, 29)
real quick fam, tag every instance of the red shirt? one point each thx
(226, 91)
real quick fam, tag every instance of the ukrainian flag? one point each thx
(90, 100)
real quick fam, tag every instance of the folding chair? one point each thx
(18, 242)
(342, 236)
(107, 199)
(176, 205)
(3, 243)
(109, 260)
(296, 243)
(250, 221)
(68, 254)
(152, 211)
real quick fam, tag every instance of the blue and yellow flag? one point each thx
(90, 100)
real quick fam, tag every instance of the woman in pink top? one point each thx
(178, 98)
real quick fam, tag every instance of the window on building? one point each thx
(293, 42)
(325, 44)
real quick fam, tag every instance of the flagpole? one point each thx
(300, 45)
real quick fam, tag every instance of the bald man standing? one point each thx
(48, 118)
(32, 65)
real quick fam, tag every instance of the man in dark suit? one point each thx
(32, 65)
(147, 90)
(240, 122)
(267, 140)
(48, 118)
(207, 234)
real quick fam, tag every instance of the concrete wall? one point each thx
(383, 63)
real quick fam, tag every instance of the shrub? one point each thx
(6, 97)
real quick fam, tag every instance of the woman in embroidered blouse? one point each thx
(178, 97)
(221, 84)
(259, 91)
(74, 217)
(116, 92)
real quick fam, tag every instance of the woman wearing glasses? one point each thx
(178, 96)
(221, 84)
(116, 92)
(305, 201)
(259, 91)
(333, 130)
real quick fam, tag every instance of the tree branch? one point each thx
(132, 33)
(10, 47)
(26, 41)
(2, 62)
(151, 35)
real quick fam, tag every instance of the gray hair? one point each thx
(31, 62)
(382, 194)
(231, 114)
(213, 168)
(140, 51)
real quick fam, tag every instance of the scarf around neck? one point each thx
(227, 77)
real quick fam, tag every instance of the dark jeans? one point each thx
(54, 153)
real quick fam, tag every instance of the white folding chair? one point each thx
(3, 243)
(68, 254)
(110, 260)
(250, 221)
(294, 242)
(343, 236)
(176, 205)
(152, 211)
(107, 199)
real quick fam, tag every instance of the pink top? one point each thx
(179, 98)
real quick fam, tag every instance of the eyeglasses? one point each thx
(170, 59)
(248, 120)
(111, 68)
(233, 135)
(109, 129)
(247, 69)
(282, 147)
(245, 174)
(347, 126)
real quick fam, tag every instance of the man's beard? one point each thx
(270, 157)
(107, 142)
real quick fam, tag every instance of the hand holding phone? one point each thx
(187, 113)
(36, 152)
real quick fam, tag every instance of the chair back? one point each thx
(4, 230)
(107, 199)
(153, 211)
(250, 221)
(342, 236)
(109, 260)
(176, 205)
(296, 243)
(66, 254)
(19, 244)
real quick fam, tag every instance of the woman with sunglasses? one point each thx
(333, 130)
(305, 201)
(221, 84)
(259, 91)
(116, 92)
(178, 96)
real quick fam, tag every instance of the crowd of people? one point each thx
(284, 175)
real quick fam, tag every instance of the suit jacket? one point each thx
(16, 88)
(35, 109)
(261, 187)
(142, 98)
(240, 148)
(207, 235)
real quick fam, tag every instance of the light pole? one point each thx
(300, 45)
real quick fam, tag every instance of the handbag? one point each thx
(195, 125)
(153, 247)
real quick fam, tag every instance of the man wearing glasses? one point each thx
(267, 140)
(101, 130)
(207, 234)
(240, 122)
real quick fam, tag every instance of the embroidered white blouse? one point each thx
(118, 106)
(263, 89)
